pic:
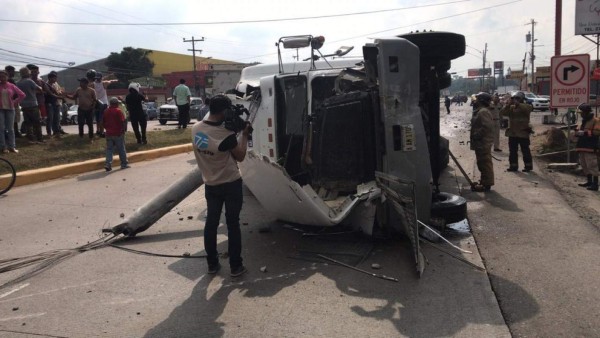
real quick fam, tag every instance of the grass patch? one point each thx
(71, 149)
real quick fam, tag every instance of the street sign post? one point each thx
(569, 80)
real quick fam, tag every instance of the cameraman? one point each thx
(217, 152)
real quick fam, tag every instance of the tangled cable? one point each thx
(48, 259)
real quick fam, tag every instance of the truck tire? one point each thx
(452, 208)
(162, 122)
(438, 45)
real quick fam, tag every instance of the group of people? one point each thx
(38, 100)
(488, 111)
(485, 133)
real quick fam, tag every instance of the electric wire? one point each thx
(230, 22)
(48, 259)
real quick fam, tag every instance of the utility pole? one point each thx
(531, 37)
(483, 69)
(558, 28)
(193, 41)
(524, 73)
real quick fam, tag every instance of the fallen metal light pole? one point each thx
(146, 215)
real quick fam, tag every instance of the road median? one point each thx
(50, 173)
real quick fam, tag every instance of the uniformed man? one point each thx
(495, 108)
(518, 131)
(482, 138)
(587, 137)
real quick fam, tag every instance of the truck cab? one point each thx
(326, 132)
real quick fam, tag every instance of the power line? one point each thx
(229, 22)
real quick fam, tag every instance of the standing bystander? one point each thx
(183, 98)
(41, 96)
(53, 105)
(10, 95)
(10, 70)
(86, 100)
(133, 101)
(100, 86)
(587, 146)
(482, 137)
(447, 104)
(518, 132)
(114, 124)
(217, 152)
(30, 107)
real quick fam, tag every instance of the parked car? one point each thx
(150, 110)
(169, 111)
(535, 101)
(72, 114)
(195, 108)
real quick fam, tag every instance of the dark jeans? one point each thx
(85, 117)
(184, 115)
(229, 194)
(99, 114)
(53, 119)
(31, 123)
(513, 155)
(136, 123)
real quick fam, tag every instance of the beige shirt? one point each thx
(216, 165)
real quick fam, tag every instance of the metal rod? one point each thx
(454, 256)
(359, 270)
(445, 240)
(461, 168)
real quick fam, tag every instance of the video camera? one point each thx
(233, 120)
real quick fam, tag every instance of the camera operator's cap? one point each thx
(114, 100)
(219, 103)
(32, 66)
(83, 79)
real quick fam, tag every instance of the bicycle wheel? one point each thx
(8, 175)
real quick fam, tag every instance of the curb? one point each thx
(46, 174)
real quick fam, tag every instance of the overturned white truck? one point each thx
(327, 132)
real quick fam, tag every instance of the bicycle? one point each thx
(8, 175)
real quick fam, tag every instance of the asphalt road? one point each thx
(112, 293)
(539, 251)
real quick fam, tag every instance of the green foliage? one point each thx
(129, 64)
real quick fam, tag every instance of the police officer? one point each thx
(587, 145)
(482, 138)
(518, 131)
(495, 108)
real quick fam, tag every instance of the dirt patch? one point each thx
(585, 202)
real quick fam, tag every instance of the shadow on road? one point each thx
(294, 295)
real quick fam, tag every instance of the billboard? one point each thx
(587, 17)
(477, 72)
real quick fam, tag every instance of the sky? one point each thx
(97, 28)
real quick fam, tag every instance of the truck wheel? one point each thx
(438, 45)
(162, 122)
(452, 208)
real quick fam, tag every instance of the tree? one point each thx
(131, 63)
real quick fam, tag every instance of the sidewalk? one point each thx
(541, 254)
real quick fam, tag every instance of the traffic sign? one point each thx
(569, 80)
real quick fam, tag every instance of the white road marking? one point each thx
(33, 315)
(20, 287)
